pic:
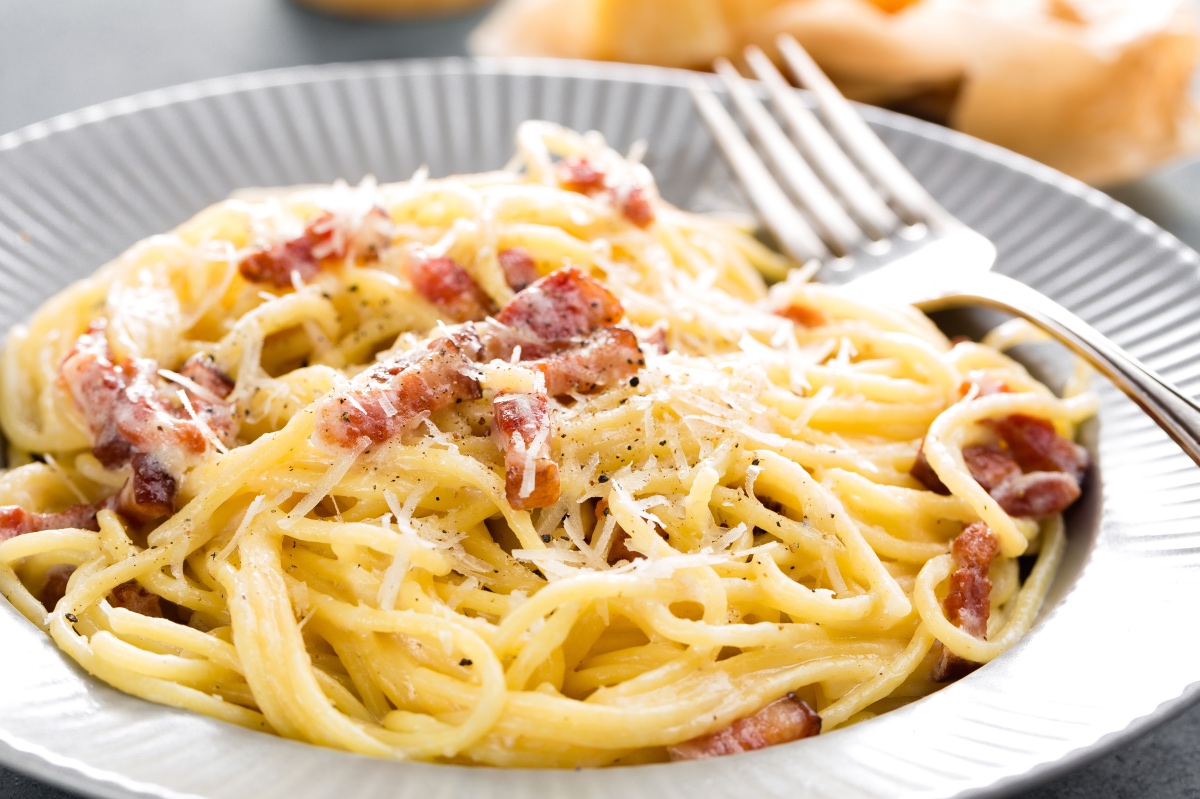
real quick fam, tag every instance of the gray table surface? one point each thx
(59, 55)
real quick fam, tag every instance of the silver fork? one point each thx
(874, 228)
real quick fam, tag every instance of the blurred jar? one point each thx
(393, 9)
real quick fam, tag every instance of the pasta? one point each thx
(525, 468)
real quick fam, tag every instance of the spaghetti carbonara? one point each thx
(525, 468)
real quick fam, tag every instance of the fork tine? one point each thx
(820, 149)
(871, 153)
(795, 236)
(836, 227)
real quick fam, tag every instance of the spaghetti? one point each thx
(525, 468)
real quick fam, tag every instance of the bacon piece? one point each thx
(210, 405)
(636, 208)
(619, 549)
(566, 304)
(521, 424)
(784, 720)
(201, 370)
(925, 474)
(398, 393)
(132, 596)
(96, 384)
(1037, 494)
(143, 416)
(577, 173)
(967, 601)
(607, 357)
(990, 466)
(657, 340)
(446, 284)
(55, 586)
(1038, 447)
(132, 422)
(277, 264)
(15, 520)
(150, 492)
(366, 238)
(323, 237)
(804, 315)
(122, 405)
(1033, 494)
(520, 270)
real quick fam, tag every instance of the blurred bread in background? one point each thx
(1096, 88)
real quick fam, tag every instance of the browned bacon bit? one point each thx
(520, 270)
(399, 393)
(577, 173)
(277, 263)
(1037, 494)
(203, 372)
(608, 356)
(521, 423)
(323, 237)
(1038, 447)
(367, 240)
(132, 596)
(563, 305)
(784, 720)
(15, 520)
(990, 466)
(122, 405)
(967, 602)
(804, 315)
(656, 339)
(636, 208)
(1032, 494)
(150, 493)
(209, 403)
(619, 549)
(447, 285)
(55, 586)
(925, 474)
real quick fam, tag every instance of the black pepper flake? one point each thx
(71, 617)
(465, 662)
(754, 462)
(662, 443)
(633, 381)
(604, 478)
(546, 538)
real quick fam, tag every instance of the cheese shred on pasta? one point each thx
(735, 518)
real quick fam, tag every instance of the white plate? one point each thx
(1114, 655)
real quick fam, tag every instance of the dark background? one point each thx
(60, 55)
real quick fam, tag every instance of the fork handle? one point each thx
(1174, 411)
